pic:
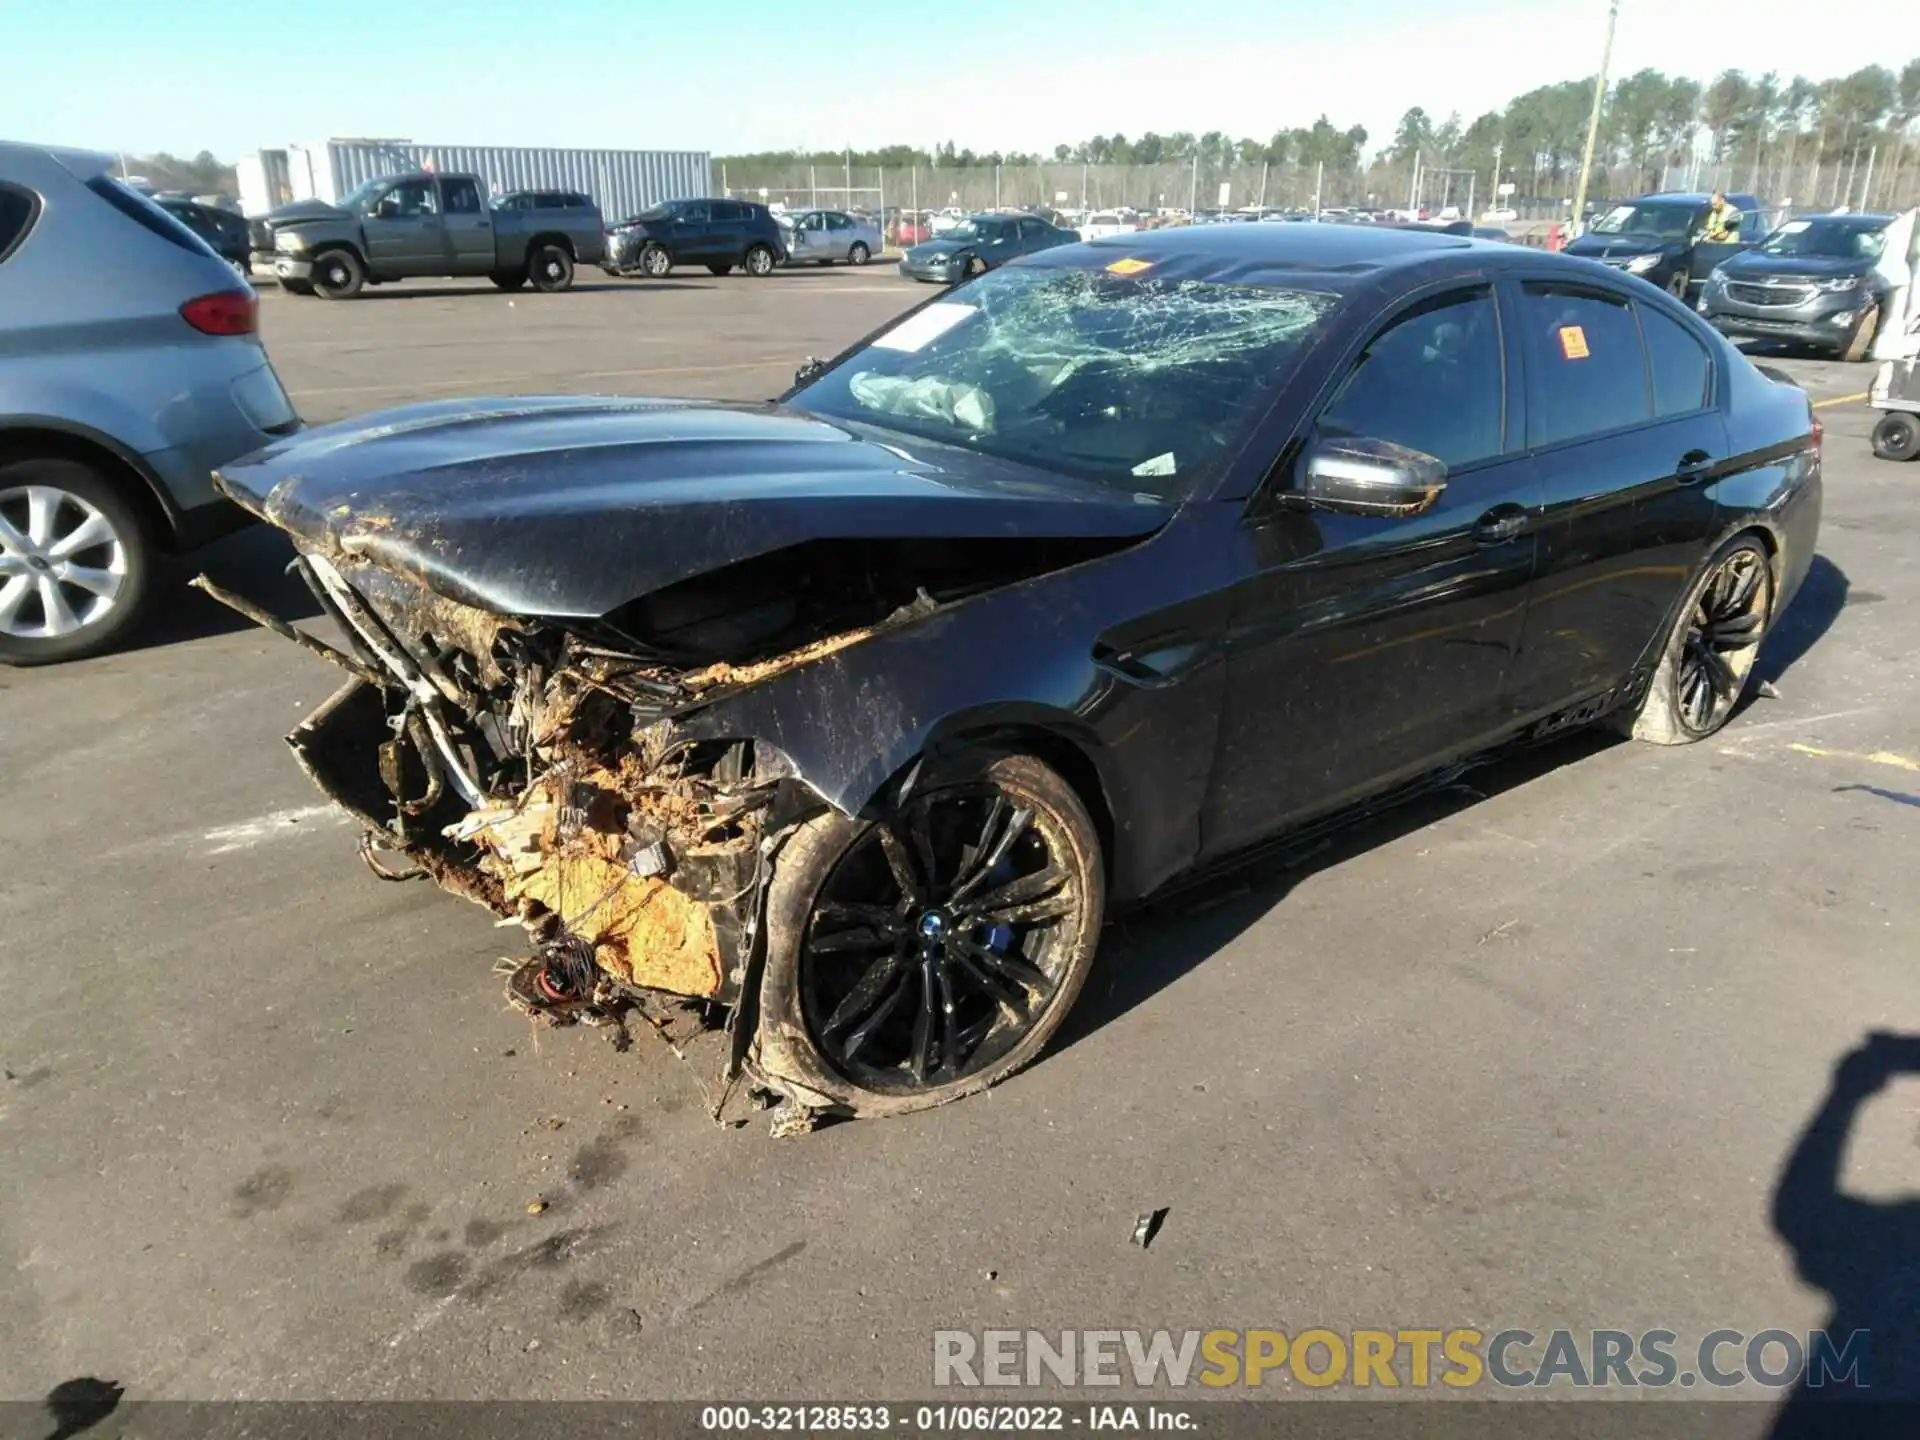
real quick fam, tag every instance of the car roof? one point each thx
(1863, 219)
(1693, 197)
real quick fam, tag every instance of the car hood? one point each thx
(1601, 247)
(1753, 265)
(304, 210)
(570, 507)
(938, 245)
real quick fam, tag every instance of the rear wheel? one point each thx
(859, 254)
(338, 275)
(655, 262)
(1897, 436)
(1861, 341)
(1710, 654)
(930, 952)
(508, 279)
(74, 561)
(550, 268)
(759, 262)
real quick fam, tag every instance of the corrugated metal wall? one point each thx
(621, 182)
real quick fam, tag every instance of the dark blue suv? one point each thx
(718, 234)
(1662, 239)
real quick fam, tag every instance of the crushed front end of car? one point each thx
(541, 774)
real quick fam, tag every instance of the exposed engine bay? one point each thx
(543, 771)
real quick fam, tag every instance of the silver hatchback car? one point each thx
(822, 237)
(130, 366)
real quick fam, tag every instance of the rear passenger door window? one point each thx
(1586, 365)
(1681, 369)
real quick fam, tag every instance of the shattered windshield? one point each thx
(1136, 382)
(1667, 222)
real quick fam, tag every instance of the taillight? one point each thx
(226, 312)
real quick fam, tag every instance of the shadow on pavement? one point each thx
(1823, 595)
(1149, 948)
(252, 563)
(1865, 1254)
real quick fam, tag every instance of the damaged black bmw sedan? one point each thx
(855, 713)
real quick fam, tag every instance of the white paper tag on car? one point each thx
(918, 331)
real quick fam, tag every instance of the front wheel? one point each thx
(74, 562)
(759, 262)
(550, 268)
(1677, 287)
(655, 262)
(975, 266)
(859, 254)
(1710, 653)
(1897, 436)
(929, 952)
(338, 275)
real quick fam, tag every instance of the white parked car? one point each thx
(1104, 223)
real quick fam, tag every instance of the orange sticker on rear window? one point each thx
(1129, 266)
(1573, 342)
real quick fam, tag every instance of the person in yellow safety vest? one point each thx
(1723, 221)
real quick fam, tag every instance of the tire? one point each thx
(1725, 616)
(508, 279)
(974, 266)
(981, 997)
(1897, 436)
(655, 262)
(758, 261)
(46, 615)
(1861, 341)
(338, 275)
(1677, 286)
(719, 269)
(550, 268)
(859, 254)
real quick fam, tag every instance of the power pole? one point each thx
(1413, 194)
(1319, 180)
(1499, 149)
(1593, 120)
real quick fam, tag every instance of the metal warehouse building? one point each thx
(621, 182)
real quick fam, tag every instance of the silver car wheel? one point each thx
(62, 564)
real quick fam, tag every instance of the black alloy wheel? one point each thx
(928, 953)
(1722, 639)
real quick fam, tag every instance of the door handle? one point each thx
(1500, 525)
(1693, 467)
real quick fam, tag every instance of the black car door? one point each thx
(1624, 425)
(692, 232)
(1369, 648)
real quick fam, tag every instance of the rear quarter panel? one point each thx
(1772, 480)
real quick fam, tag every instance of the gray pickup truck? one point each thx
(401, 226)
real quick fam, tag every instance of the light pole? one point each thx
(1593, 120)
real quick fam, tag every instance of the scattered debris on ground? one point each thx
(1148, 1226)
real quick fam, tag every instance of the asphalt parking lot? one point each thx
(1532, 1053)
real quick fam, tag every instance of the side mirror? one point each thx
(1362, 476)
(809, 369)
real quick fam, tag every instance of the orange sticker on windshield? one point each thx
(1573, 342)
(1129, 266)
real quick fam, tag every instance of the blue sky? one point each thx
(721, 77)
